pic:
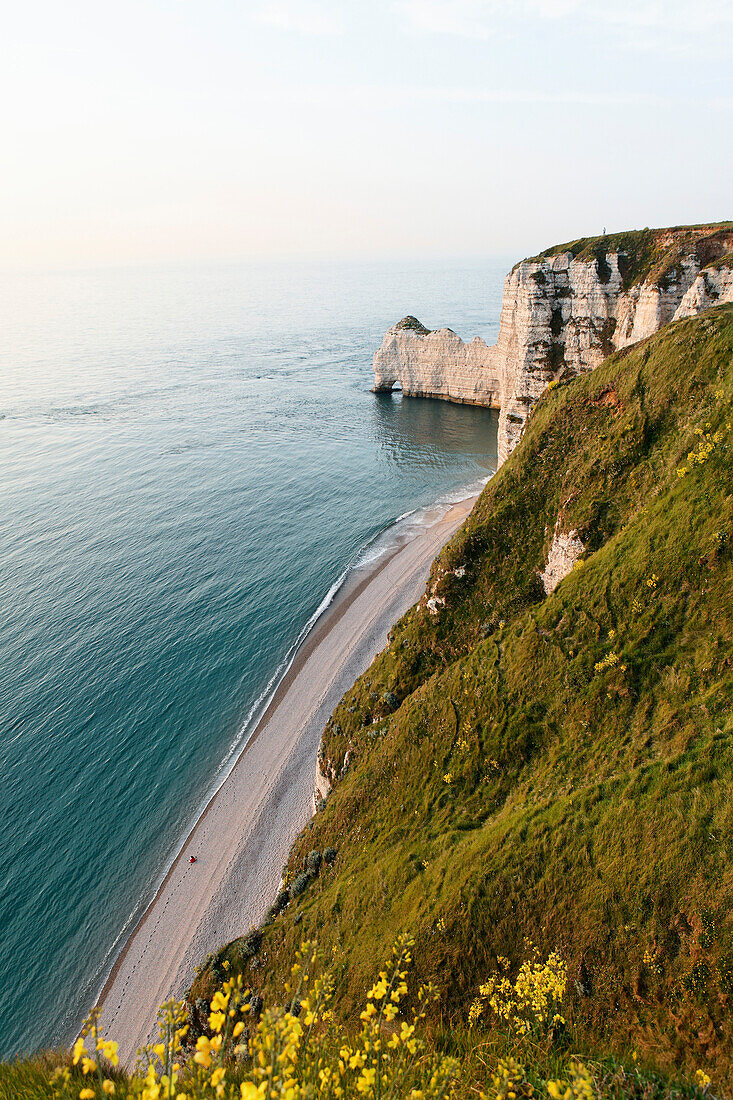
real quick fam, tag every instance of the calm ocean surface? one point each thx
(189, 459)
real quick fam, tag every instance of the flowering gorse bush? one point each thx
(531, 1004)
(295, 1052)
(579, 1085)
(707, 443)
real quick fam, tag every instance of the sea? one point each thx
(191, 461)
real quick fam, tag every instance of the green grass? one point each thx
(649, 253)
(589, 811)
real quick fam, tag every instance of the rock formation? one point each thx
(562, 313)
(566, 549)
(322, 785)
(436, 364)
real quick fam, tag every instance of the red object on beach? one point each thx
(192, 859)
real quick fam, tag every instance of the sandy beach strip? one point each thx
(243, 837)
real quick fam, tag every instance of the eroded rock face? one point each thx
(557, 320)
(712, 287)
(566, 549)
(436, 364)
(322, 785)
(560, 316)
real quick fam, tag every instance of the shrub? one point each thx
(313, 863)
(282, 900)
(251, 943)
(391, 700)
(532, 1003)
(329, 856)
(299, 885)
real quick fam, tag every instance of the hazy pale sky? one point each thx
(198, 129)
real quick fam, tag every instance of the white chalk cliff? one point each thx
(566, 549)
(562, 314)
(436, 364)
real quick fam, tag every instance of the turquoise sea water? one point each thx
(189, 459)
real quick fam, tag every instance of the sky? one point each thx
(159, 130)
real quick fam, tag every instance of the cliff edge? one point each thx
(563, 312)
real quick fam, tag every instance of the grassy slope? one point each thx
(589, 810)
(650, 253)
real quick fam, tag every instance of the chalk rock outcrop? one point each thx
(713, 286)
(566, 549)
(322, 785)
(562, 314)
(436, 364)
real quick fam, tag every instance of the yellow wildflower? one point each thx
(216, 1020)
(702, 1079)
(203, 1051)
(86, 1094)
(109, 1049)
(379, 989)
(79, 1049)
(365, 1083)
(108, 1087)
(219, 1001)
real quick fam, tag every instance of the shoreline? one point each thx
(244, 831)
(298, 659)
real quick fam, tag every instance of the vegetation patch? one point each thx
(648, 254)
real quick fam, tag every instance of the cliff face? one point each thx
(562, 313)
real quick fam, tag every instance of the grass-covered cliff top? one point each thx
(650, 254)
(554, 769)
